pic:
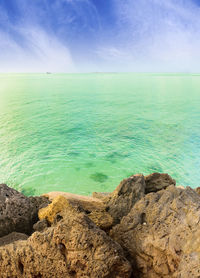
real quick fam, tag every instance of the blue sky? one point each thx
(99, 35)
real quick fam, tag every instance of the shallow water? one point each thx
(85, 132)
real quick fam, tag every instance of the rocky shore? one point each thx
(147, 227)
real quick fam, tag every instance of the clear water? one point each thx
(86, 132)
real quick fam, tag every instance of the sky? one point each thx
(100, 36)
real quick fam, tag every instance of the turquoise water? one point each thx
(86, 132)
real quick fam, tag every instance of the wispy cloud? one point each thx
(40, 53)
(44, 37)
(160, 35)
(76, 35)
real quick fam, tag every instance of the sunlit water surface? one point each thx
(86, 132)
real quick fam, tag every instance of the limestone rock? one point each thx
(102, 219)
(156, 181)
(11, 238)
(49, 213)
(59, 204)
(74, 247)
(161, 234)
(41, 225)
(85, 202)
(101, 195)
(18, 213)
(123, 198)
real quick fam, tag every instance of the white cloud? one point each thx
(40, 52)
(158, 35)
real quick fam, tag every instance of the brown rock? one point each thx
(197, 190)
(74, 247)
(102, 219)
(11, 238)
(96, 213)
(161, 234)
(49, 213)
(41, 225)
(156, 181)
(123, 198)
(101, 195)
(18, 213)
(85, 202)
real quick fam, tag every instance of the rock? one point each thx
(73, 247)
(97, 214)
(18, 213)
(123, 198)
(197, 190)
(41, 225)
(39, 201)
(86, 203)
(156, 181)
(101, 195)
(181, 187)
(102, 219)
(11, 238)
(161, 234)
(49, 213)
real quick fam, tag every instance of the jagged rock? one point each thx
(128, 192)
(18, 213)
(87, 203)
(59, 204)
(102, 219)
(11, 238)
(161, 234)
(41, 225)
(74, 247)
(39, 201)
(156, 181)
(49, 213)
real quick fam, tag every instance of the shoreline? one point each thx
(146, 227)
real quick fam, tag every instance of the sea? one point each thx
(82, 133)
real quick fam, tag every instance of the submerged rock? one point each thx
(99, 177)
(74, 247)
(161, 234)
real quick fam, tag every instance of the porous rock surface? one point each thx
(18, 213)
(130, 190)
(152, 231)
(94, 208)
(161, 234)
(72, 247)
(156, 181)
(12, 237)
(122, 199)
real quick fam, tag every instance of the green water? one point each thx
(86, 132)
